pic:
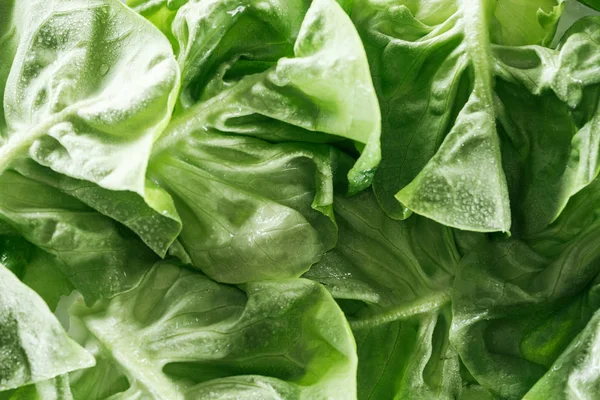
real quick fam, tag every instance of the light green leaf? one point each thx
(100, 257)
(180, 335)
(33, 345)
(518, 22)
(393, 280)
(252, 210)
(90, 87)
(279, 70)
(470, 118)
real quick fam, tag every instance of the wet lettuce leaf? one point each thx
(476, 130)
(394, 281)
(99, 256)
(210, 199)
(519, 304)
(180, 335)
(34, 345)
(65, 66)
(278, 70)
(252, 210)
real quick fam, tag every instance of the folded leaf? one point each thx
(574, 375)
(393, 280)
(99, 256)
(518, 304)
(179, 335)
(153, 218)
(33, 346)
(90, 86)
(251, 210)
(279, 70)
(469, 117)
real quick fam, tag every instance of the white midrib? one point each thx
(479, 49)
(125, 348)
(423, 305)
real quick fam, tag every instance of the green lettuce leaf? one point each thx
(470, 118)
(518, 304)
(33, 345)
(393, 279)
(252, 210)
(279, 70)
(179, 335)
(574, 375)
(153, 218)
(85, 95)
(99, 256)
(54, 389)
(37, 269)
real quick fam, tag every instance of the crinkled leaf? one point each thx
(180, 335)
(279, 70)
(153, 218)
(519, 303)
(91, 85)
(251, 210)
(393, 280)
(33, 345)
(457, 96)
(99, 256)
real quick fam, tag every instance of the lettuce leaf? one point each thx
(477, 131)
(253, 210)
(280, 71)
(518, 304)
(35, 347)
(394, 281)
(180, 335)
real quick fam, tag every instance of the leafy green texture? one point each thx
(253, 210)
(574, 375)
(33, 345)
(592, 3)
(154, 154)
(100, 257)
(180, 335)
(54, 389)
(465, 111)
(393, 279)
(85, 95)
(279, 70)
(153, 218)
(519, 303)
